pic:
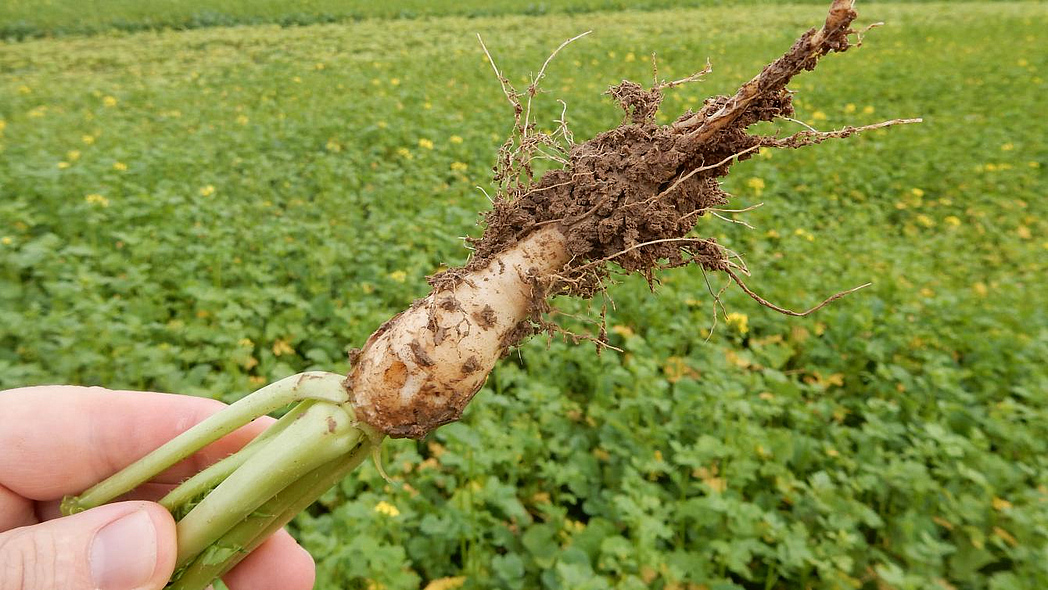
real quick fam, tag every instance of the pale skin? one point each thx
(59, 440)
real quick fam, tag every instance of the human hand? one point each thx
(59, 440)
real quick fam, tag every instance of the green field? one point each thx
(206, 211)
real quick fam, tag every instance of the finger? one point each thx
(278, 564)
(85, 434)
(126, 546)
(15, 511)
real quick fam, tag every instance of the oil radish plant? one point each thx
(630, 196)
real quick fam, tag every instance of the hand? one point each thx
(60, 440)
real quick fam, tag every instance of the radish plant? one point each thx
(630, 196)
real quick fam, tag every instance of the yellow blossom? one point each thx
(398, 276)
(952, 220)
(318, 66)
(772, 234)
(38, 112)
(867, 110)
(764, 153)
(459, 166)
(446, 583)
(925, 220)
(97, 199)
(927, 293)
(23, 89)
(739, 321)
(1024, 232)
(394, 81)
(425, 143)
(242, 119)
(849, 108)
(119, 166)
(3, 125)
(455, 139)
(109, 101)
(1008, 147)
(807, 235)
(6, 240)
(917, 192)
(819, 116)
(281, 347)
(1030, 164)
(207, 191)
(757, 184)
(630, 57)
(427, 105)
(382, 124)
(404, 153)
(73, 155)
(245, 342)
(333, 145)
(63, 165)
(386, 508)
(88, 139)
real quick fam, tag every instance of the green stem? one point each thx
(210, 477)
(246, 536)
(322, 433)
(311, 385)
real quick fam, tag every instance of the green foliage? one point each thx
(206, 211)
(27, 19)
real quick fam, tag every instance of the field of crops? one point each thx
(206, 211)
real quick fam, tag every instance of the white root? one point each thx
(422, 367)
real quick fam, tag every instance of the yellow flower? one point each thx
(38, 112)
(446, 583)
(97, 199)
(109, 101)
(739, 321)
(119, 166)
(459, 166)
(917, 192)
(23, 89)
(452, 139)
(427, 105)
(952, 220)
(394, 81)
(849, 108)
(281, 347)
(819, 116)
(242, 119)
(246, 342)
(980, 289)
(867, 110)
(318, 66)
(6, 240)
(757, 184)
(207, 191)
(925, 220)
(1024, 232)
(425, 143)
(333, 146)
(398, 276)
(63, 165)
(807, 235)
(73, 155)
(927, 293)
(3, 125)
(382, 124)
(404, 153)
(386, 508)
(1008, 147)
(88, 139)
(772, 234)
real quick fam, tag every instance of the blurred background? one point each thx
(203, 199)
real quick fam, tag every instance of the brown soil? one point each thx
(631, 194)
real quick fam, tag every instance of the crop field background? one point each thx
(205, 211)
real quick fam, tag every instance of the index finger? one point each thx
(58, 440)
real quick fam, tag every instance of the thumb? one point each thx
(124, 546)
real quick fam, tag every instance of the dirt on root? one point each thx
(632, 195)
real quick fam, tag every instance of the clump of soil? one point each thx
(631, 195)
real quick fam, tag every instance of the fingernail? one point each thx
(123, 553)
